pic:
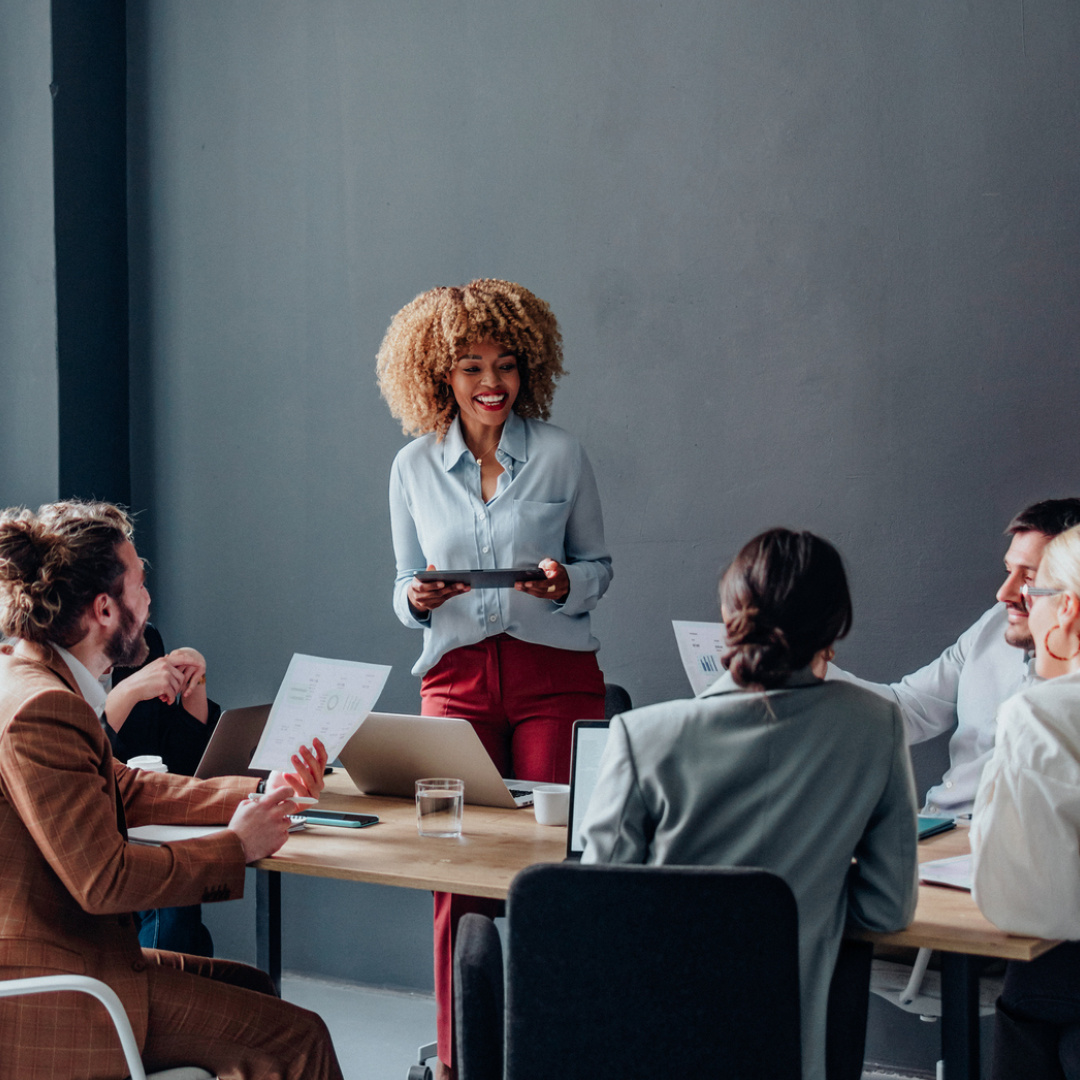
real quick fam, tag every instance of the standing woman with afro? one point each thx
(489, 484)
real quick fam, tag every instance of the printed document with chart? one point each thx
(318, 698)
(700, 645)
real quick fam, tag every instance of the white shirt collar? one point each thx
(88, 686)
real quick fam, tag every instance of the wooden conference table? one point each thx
(497, 843)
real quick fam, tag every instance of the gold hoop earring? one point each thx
(1046, 646)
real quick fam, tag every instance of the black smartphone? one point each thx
(337, 817)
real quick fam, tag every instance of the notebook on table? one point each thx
(391, 751)
(931, 826)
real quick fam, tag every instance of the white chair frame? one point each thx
(44, 984)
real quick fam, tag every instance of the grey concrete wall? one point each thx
(29, 452)
(816, 264)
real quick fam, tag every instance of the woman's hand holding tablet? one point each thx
(554, 584)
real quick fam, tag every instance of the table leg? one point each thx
(960, 1016)
(268, 924)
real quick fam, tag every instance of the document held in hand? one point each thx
(318, 698)
(700, 645)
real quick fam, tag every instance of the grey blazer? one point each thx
(798, 781)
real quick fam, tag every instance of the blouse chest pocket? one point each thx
(539, 531)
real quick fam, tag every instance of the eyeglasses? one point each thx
(1029, 592)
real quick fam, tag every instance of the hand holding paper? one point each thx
(308, 778)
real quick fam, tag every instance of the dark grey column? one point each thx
(89, 88)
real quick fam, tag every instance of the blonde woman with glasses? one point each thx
(1025, 833)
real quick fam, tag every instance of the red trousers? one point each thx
(522, 699)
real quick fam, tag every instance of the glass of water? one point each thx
(439, 801)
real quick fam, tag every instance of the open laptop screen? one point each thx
(590, 738)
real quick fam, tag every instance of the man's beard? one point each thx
(127, 646)
(1019, 636)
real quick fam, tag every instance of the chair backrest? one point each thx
(616, 700)
(650, 972)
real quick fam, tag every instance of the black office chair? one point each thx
(661, 968)
(616, 700)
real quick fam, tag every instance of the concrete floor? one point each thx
(376, 1032)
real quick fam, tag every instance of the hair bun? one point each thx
(785, 598)
(756, 651)
(23, 549)
(53, 563)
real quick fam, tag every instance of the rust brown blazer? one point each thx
(68, 877)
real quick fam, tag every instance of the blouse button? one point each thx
(493, 618)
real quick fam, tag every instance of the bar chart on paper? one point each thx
(700, 644)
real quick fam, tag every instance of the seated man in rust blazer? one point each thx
(72, 592)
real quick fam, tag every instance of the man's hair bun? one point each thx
(54, 563)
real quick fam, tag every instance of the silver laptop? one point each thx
(233, 743)
(391, 751)
(590, 738)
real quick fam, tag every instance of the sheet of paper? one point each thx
(700, 645)
(954, 872)
(318, 697)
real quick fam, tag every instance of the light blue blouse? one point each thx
(546, 505)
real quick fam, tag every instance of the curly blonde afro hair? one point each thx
(427, 336)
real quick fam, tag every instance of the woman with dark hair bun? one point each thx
(785, 600)
(773, 767)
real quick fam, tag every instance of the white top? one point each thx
(1025, 834)
(89, 687)
(963, 686)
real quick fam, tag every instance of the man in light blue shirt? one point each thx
(991, 661)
